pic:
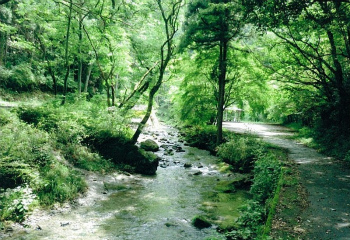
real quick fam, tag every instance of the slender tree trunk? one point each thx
(144, 120)
(88, 78)
(113, 95)
(52, 74)
(80, 68)
(166, 53)
(222, 83)
(108, 93)
(66, 53)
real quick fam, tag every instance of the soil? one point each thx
(326, 181)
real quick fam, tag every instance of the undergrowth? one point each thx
(39, 145)
(29, 172)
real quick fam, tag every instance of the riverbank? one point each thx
(125, 206)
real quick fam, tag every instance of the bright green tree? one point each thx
(213, 25)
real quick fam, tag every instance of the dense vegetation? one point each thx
(193, 62)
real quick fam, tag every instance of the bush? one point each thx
(5, 117)
(240, 152)
(202, 137)
(59, 184)
(28, 166)
(267, 171)
(21, 78)
(4, 76)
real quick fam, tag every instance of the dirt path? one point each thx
(326, 180)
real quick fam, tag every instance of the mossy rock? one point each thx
(144, 162)
(149, 145)
(201, 222)
(124, 153)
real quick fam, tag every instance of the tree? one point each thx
(169, 13)
(319, 60)
(213, 25)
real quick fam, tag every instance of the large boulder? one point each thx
(149, 145)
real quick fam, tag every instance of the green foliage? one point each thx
(203, 137)
(59, 184)
(267, 172)
(247, 153)
(240, 152)
(20, 78)
(252, 218)
(79, 128)
(30, 169)
(5, 117)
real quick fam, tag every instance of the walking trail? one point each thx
(327, 182)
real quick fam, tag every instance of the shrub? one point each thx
(32, 115)
(5, 117)
(267, 171)
(28, 162)
(240, 152)
(4, 76)
(59, 184)
(203, 137)
(22, 78)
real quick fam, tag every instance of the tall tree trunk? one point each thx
(80, 67)
(66, 53)
(88, 77)
(52, 74)
(222, 83)
(113, 95)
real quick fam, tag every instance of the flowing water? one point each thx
(161, 207)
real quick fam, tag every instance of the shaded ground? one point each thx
(327, 182)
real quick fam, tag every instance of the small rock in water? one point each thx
(64, 224)
(187, 165)
(197, 173)
(163, 165)
(200, 165)
(176, 162)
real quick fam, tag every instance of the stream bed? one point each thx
(160, 207)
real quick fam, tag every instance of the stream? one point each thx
(160, 207)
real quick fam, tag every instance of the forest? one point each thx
(80, 81)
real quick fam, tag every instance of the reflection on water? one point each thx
(151, 208)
